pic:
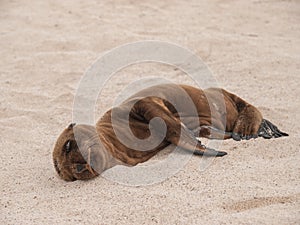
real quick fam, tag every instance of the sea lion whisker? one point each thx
(89, 156)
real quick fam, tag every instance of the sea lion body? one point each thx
(156, 102)
(188, 113)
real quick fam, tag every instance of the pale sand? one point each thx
(252, 48)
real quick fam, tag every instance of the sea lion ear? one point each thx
(70, 127)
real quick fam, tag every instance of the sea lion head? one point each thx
(70, 156)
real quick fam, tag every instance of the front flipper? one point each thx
(268, 130)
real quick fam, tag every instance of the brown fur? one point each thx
(85, 163)
(104, 149)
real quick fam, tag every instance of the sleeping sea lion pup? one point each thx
(83, 151)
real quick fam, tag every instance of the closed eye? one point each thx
(68, 146)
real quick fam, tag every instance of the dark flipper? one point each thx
(238, 137)
(268, 130)
(209, 152)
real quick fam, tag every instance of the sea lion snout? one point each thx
(80, 167)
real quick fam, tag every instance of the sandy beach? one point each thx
(252, 49)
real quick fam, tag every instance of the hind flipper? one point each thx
(247, 123)
(268, 130)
